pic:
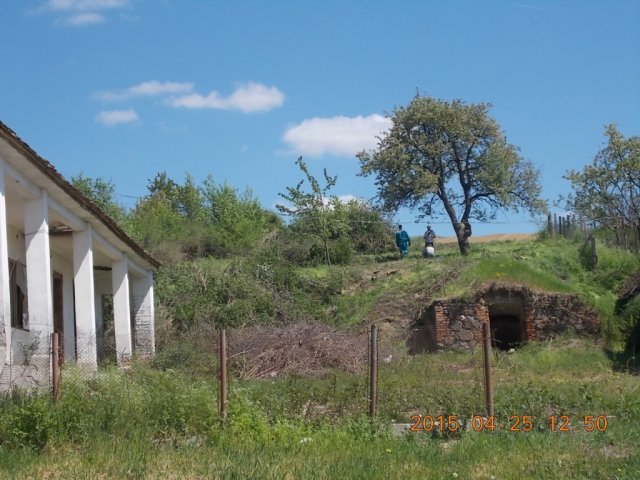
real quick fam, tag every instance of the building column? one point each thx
(121, 310)
(144, 315)
(39, 288)
(86, 353)
(5, 291)
(68, 316)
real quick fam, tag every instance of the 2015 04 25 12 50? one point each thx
(514, 423)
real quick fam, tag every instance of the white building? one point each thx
(62, 260)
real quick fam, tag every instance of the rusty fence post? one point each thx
(223, 376)
(55, 367)
(488, 381)
(373, 371)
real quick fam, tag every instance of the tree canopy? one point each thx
(102, 193)
(451, 156)
(608, 190)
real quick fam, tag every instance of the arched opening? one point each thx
(506, 325)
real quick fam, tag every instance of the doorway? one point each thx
(58, 316)
(506, 325)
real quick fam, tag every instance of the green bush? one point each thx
(341, 251)
(27, 423)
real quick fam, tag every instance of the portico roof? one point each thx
(35, 169)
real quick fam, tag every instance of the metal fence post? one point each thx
(488, 381)
(223, 376)
(373, 371)
(55, 367)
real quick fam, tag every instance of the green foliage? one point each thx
(101, 192)
(311, 210)
(140, 402)
(368, 231)
(454, 155)
(327, 229)
(187, 221)
(246, 418)
(629, 312)
(27, 423)
(147, 424)
(238, 219)
(607, 190)
(202, 292)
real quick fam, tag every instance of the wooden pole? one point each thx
(488, 382)
(549, 225)
(555, 223)
(223, 376)
(373, 371)
(55, 367)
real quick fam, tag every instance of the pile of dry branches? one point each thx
(301, 349)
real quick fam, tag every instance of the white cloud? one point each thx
(346, 198)
(82, 12)
(146, 89)
(336, 135)
(250, 97)
(117, 117)
(85, 5)
(82, 19)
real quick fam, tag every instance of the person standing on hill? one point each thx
(403, 241)
(428, 236)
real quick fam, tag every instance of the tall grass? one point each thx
(144, 423)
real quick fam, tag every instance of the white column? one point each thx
(84, 298)
(121, 310)
(5, 294)
(39, 292)
(144, 315)
(68, 317)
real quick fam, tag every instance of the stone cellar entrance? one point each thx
(515, 314)
(506, 328)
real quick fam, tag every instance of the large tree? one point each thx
(451, 155)
(608, 190)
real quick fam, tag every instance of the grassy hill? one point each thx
(161, 420)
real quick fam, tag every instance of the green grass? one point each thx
(149, 424)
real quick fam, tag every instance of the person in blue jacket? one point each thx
(402, 241)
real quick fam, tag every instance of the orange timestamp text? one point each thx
(515, 423)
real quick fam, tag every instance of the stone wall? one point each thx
(457, 323)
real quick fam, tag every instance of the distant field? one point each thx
(491, 238)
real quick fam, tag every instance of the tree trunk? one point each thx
(463, 241)
(327, 256)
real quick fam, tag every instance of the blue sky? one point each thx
(123, 89)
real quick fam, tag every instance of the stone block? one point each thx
(470, 323)
(465, 335)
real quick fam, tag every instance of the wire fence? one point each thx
(308, 371)
(38, 361)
